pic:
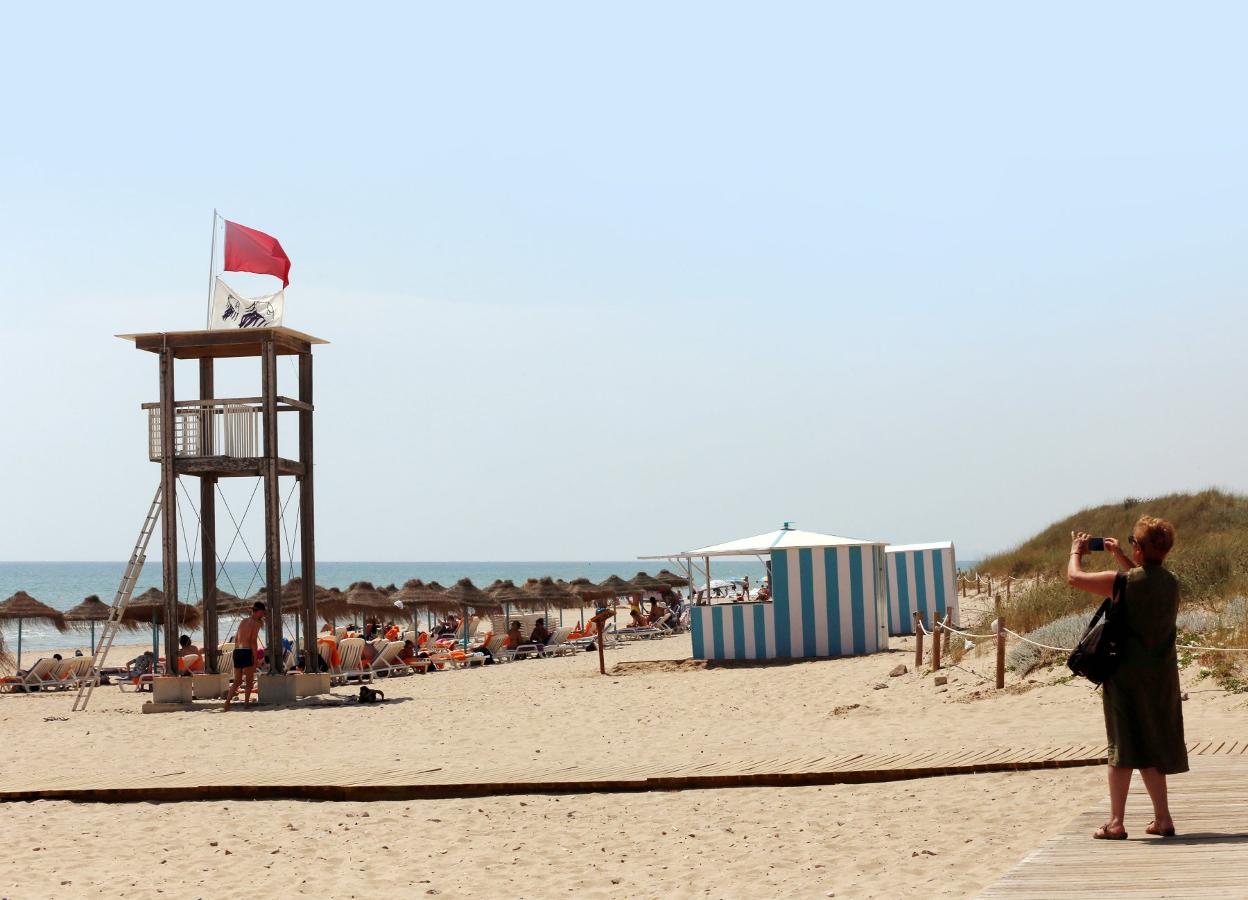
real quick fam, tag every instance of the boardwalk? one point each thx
(402, 783)
(1208, 859)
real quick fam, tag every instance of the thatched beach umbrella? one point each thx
(644, 582)
(552, 594)
(507, 593)
(333, 605)
(6, 658)
(365, 599)
(619, 587)
(671, 579)
(587, 591)
(22, 606)
(467, 594)
(149, 607)
(90, 610)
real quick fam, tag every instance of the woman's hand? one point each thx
(1079, 542)
(1112, 545)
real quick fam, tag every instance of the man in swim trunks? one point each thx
(246, 651)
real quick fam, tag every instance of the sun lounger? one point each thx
(387, 662)
(79, 671)
(351, 662)
(40, 676)
(558, 644)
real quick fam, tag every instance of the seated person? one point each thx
(514, 637)
(190, 658)
(144, 664)
(541, 634)
(637, 619)
(392, 633)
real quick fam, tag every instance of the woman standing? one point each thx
(1143, 707)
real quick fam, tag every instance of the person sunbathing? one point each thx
(190, 658)
(540, 634)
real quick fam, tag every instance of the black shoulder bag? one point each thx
(1100, 649)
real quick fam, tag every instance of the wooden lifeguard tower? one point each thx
(211, 438)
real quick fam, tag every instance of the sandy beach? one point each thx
(942, 836)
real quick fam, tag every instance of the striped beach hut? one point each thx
(921, 577)
(829, 598)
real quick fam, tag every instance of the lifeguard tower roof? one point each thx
(219, 344)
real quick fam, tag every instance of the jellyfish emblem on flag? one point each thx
(231, 310)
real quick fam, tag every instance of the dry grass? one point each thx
(1210, 558)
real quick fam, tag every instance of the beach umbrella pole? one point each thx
(19, 645)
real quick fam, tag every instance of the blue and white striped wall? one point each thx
(826, 601)
(920, 577)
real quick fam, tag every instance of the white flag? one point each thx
(231, 310)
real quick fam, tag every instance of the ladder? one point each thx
(124, 591)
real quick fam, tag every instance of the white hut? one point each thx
(828, 598)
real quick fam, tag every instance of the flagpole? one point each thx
(212, 260)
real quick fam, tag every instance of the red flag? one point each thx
(248, 250)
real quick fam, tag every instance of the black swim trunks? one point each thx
(244, 658)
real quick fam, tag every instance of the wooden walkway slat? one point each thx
(1208, 858)
(468, 780)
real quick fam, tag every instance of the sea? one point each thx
(62, 585)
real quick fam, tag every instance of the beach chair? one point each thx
(558, 645)
(495, 646)
(38, 677)
(226, 666)
(79, 671)
(387, 662)
(351, 662)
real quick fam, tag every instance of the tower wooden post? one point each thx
(169, 509)
(307, 547)
(208, 530)
(272, 509)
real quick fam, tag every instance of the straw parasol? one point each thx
(507, 592)
(90, 610)
(365, 598)
(548, 593)
(618, 586)
(644, 582)
(466, 594)
(6, 658)
(22, 606)
(586, 589)
(333, 605)
(149, 607)
(671, 579)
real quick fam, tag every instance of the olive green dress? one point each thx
(1143, 708)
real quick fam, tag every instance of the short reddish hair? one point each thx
(1154, 537)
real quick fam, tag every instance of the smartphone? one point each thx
(1096, 545)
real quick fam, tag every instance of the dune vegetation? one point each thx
(1210, 558)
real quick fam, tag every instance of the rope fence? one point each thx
(942, 630)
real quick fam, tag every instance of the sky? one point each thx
(602, 281)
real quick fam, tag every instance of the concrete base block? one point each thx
(310, 684)
(276, 688)
(152, 706)
(210, 687)
(171, 689)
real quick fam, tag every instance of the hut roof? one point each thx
(92, 609)
(23, 606)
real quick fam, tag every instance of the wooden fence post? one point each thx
(1008, 579)
(936, 643)
(918, 640)
(948, 634)
(1000, 644)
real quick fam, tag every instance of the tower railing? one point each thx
(223, 427)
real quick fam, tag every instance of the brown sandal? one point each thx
(1104, 834)
(1153, 829)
